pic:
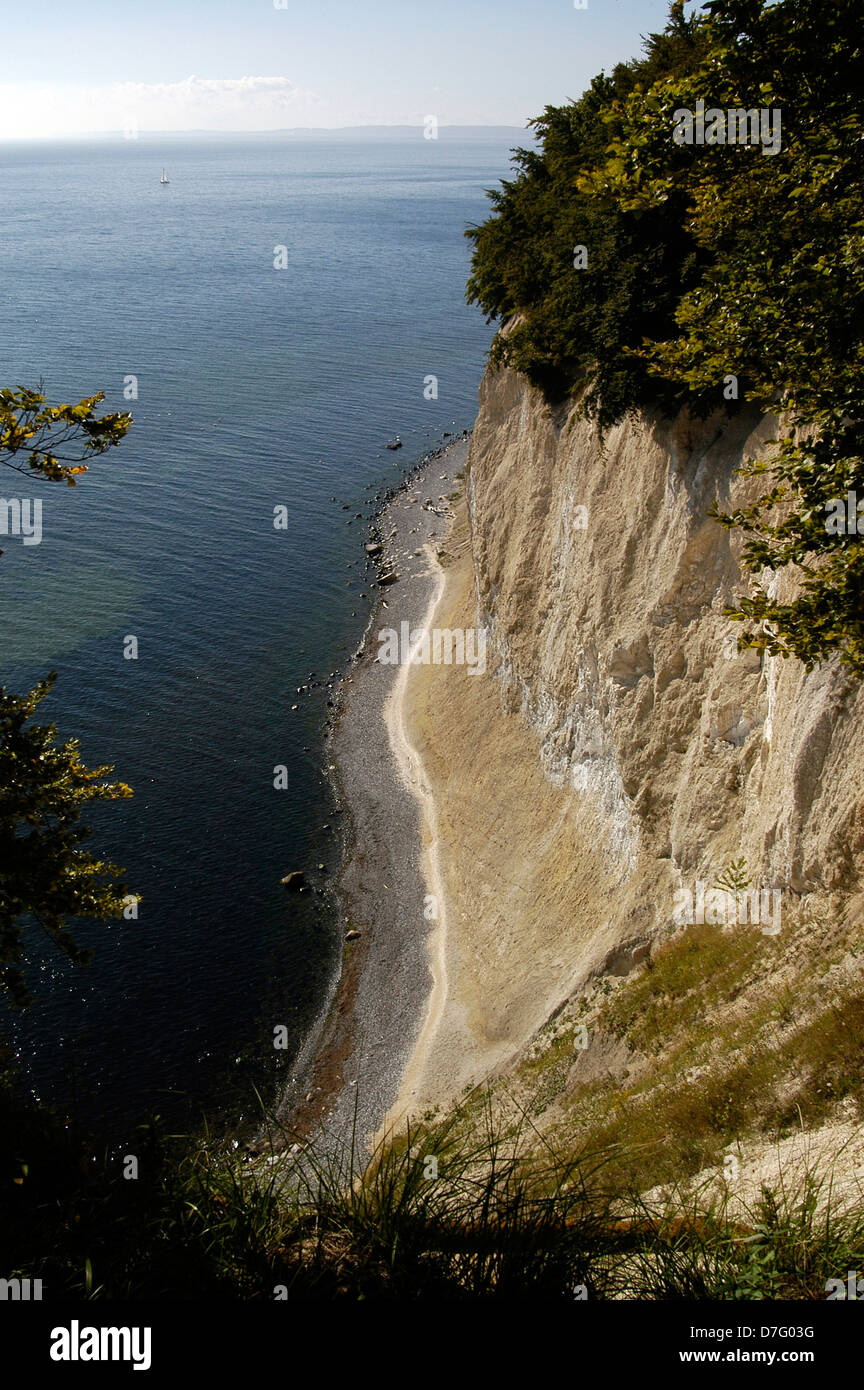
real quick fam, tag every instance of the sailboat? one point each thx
(164, 178)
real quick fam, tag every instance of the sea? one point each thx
(272, 316)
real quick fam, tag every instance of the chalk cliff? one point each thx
(619, 748)
(612, 644)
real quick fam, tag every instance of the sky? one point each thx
(74, 67)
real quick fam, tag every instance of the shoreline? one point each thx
(410, 765)
(350, 1070)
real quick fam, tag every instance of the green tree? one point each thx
(55, 441)
(569, 328)
(779, 302)
(710, 263)
(45, 874)
(44, 871)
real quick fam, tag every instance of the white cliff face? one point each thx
(618, 749)
(603, 583)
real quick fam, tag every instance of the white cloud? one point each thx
(195, 103)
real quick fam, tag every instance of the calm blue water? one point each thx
(256, 387)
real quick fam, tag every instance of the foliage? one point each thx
(209, 1218)
(44, 786)
(55, 441)
(711, 262)
(574, 326)
(734, 878)
(44, 872)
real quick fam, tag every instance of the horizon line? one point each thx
(122, 134)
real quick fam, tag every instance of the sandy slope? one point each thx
(510, 858)
(413, 774)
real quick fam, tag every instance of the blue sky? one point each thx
(104, 64)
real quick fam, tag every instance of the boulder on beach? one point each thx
(385, 579)
(296, 879)
(353, 935)
(374, 548)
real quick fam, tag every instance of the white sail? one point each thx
(164, 178)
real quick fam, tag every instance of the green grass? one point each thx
(701, 969)
(498, 1214)
(734, 1036)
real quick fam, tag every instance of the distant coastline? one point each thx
(467, 133)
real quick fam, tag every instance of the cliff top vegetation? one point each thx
(690, 232)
